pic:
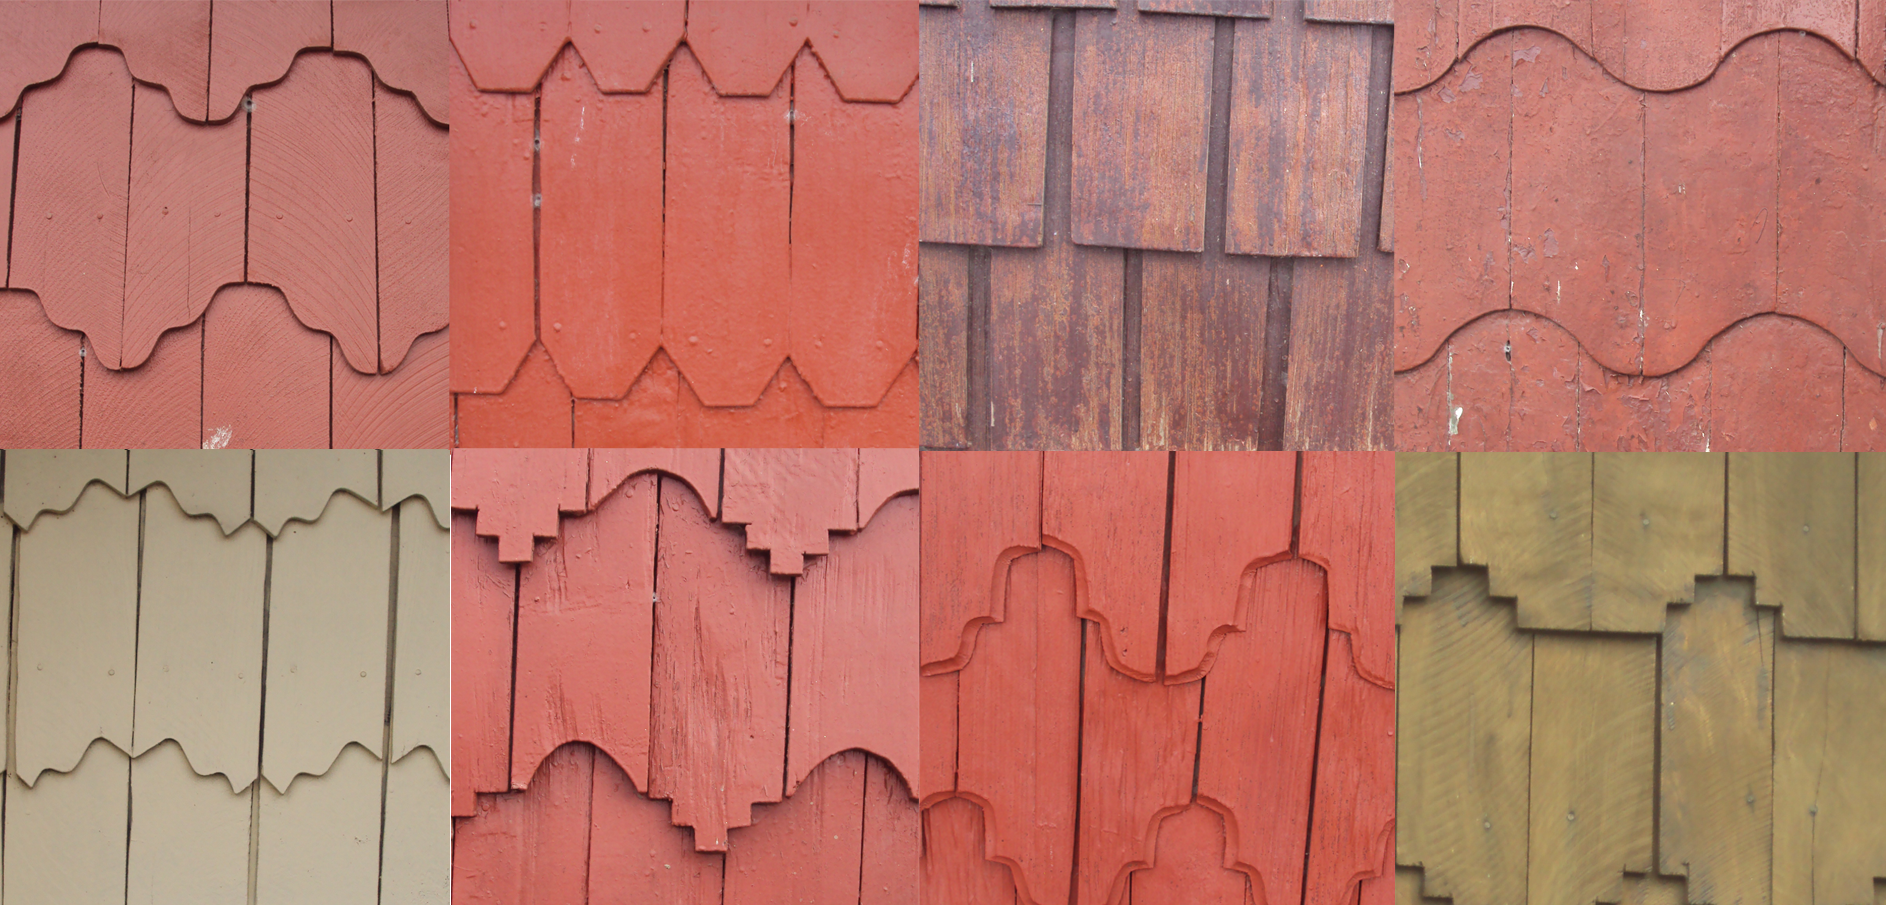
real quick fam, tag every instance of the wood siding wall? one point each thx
(228, 677)
(1641, 678)
(653, 703)
(1157, 678)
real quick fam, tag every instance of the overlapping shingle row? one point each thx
(1157, 678)
(685, 224)
(620, 640)
(1155, 224)
(186, 623)
(224, 230)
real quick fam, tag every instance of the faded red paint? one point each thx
(1075, 779)
(751, 278)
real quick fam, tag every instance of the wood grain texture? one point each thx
(484, 613)
(1427, 515)
(870, 49)
(1336, 381)
(1142, 109)
(298, 484)
(184, 237)
(943, 329)
(1656, 524)
(416, 844)
(199, 641)
(412, 161)
(489, 866)
(189, 835)
(953, 867)
(1527, 518)
(493, 290)
(1349, 855)
(633, 851)
(39, 39)
(521, 494)
(327, 654)
(1827, 846)
(808, 848)
(1347, 500)
(853, 319)
(75, 633)
(1136, 739)
(311, 200)
(420, 715)
(892, 839)
(1257, 742)
(1299, 117)
(1378, 12)
(158, 404)
(40, 374)
(1187, 869)
(1593, 766)
(1791, 526)
(1465, 691)
(1110, 514)
(1019, 735)
(979, 511)
(726, 235)
(506, 46)
(600, 247)
(718, 702)
(66, 834)
(1715, 782)
(984, 141)
(265, 376)
(1231, 513)
(626, 45)
(165, 43)
(254, 44)
(408, 408)
(408, 43)
(790, 501)
(585, 616)
(321, 841)
(854, 645)
(1055, 324)
(1870, 550)
(1202, 323)
(75, 199)
(1249, 9)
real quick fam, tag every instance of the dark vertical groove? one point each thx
(137, 619)
(373, 106)
(261, 722)
(536, 213)
(13, 189)
(517, 591)
(1130, 351)
(392, 665)
(1270, 411)
(1375, 155)
(1165, 568)
(785, 763)
(1057, 204)
(978, 409)
(1218, 166)
(1316, 755)
(1080, 769)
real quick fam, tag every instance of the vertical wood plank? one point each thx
(601, 266)
(1055, 327)
(1141, 185)
(1716, 770)
(718, 703)
(627, 46)
(422, 654)
(728, 235)
(1202, 321)
(1593, 766)
(75, 158)
(75, 632)
(1656, 524)
(319, 842)
(892, 839)
(529, 847)
(954, 869)
(1354, 781)
(493, 255)
(1427, 515)
(416, 847)
(327, 640)
(1336, 384)
(1020, 734)
(937, 700)
(535, 410)
(1346, 501)
(189, 836)
(854, 646)
(1257, 741)
(1187, 868)
(199, 642)
(809, 847)
(1527, 518)
(1109, 513)
(1870, 498)
(1827, 843)
(854, 278)
(1791, 524)
(585, 611)
(184, 236)
(412, 198)
(1299, 119)
(943, 325)
(1137, 738)
(980, 510)
(1231, 512)
(1465, 697)
(484, 609)
(158, 404)
(311, 207)
(265, 376)
(636, 855)
(66, 834)
(40, 373)
(983, 124)
(410, 408)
